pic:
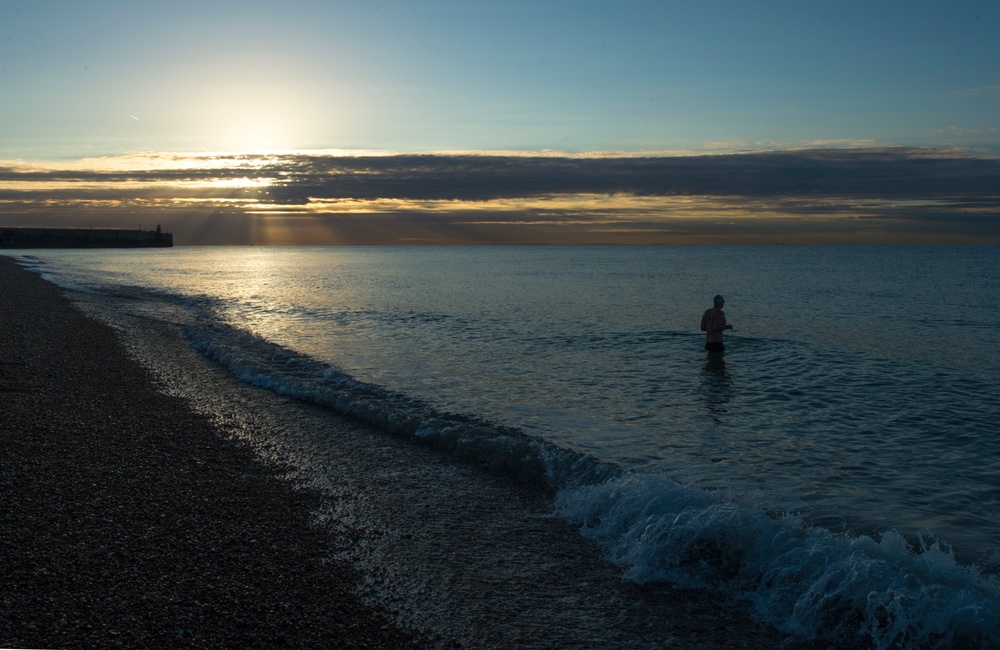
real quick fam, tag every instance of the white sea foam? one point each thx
(510, 451)
(803, 579)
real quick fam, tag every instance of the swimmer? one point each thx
(713, 323)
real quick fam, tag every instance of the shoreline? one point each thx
(129, 521)
(140, 468)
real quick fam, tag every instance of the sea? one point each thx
(837, 467)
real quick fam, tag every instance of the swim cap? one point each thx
(719, 300)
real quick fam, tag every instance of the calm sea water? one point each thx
(846, 446)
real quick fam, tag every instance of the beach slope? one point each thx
(128, 521)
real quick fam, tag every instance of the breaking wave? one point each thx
(881, 590)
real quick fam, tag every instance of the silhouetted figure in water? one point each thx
(713, 323)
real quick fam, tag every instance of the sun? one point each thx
(257, 129)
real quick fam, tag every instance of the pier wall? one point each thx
(83, 238)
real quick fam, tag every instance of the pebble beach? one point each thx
(128, 521)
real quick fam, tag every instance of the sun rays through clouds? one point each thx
(864, 195)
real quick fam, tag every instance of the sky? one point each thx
(246, 101)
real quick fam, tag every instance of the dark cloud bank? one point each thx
(843, 196)
(874, 173)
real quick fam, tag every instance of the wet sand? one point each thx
(138, 512)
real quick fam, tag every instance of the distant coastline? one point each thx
(16, 237)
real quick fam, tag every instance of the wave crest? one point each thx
(807, 581)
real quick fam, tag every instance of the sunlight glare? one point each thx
(257, 130)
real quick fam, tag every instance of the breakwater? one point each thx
(12, 237)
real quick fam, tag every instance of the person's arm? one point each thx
(720, 322)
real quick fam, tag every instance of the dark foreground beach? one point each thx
(132, 518)
(128, 521)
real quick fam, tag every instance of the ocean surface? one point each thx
(838, 466)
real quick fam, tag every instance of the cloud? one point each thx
(963, 132)
(841, 194)
(980, 91)
(295, 177)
